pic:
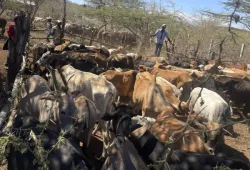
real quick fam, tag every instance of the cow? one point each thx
(38, 21)
(184, 78)
(167, 128)
(120, 61)
(209, 105)
(170, 91)
(153, 151)
(81, 61)
(144, 92)
(114, 51)
(237, 90)
(123, 155)
(71, 112)
(3, 23)
(73, 29)
(66, 156)
(121, 152)
(96, 88)
(177, 78)
(236, 73)
(39, 101)
(149, 61)
(212, 107)
(124, 83)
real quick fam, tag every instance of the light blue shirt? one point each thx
(160, 37)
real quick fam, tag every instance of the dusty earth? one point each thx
(238, 148)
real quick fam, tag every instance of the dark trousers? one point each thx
(158, 49)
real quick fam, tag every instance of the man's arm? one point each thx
(154, 33)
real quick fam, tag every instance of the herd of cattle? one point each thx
(123, 38)
(144, 109)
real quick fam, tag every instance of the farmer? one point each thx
(48, 27)
(161, 36)
(11, 40)
(56, 33)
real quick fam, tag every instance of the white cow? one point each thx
(209, 105)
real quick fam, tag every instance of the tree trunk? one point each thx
(64, 19)
(17, 48)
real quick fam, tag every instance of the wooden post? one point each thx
(242, 50)
(210, 47)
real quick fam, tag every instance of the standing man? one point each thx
(161, 35)
(48, 27)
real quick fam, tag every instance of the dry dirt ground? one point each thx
(238, 148)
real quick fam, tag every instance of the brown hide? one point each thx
(166, 89)
(120, 61)
(165, 126)
(142, 89)
(191, 72)
(177, 78)
(148, 96)
(97, 57)
(236, 73)
(123, 81)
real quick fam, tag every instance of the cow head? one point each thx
(183, 108)
(160, 65)
(61, 106)
(225, 84)
(44, 59)
(54, 60)
(142, 68)
(212, 135)
(120, 121)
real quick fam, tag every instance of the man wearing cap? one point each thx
(56, 33)
(161, 35)
(48, 27)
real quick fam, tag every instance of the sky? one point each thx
(189, 7)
